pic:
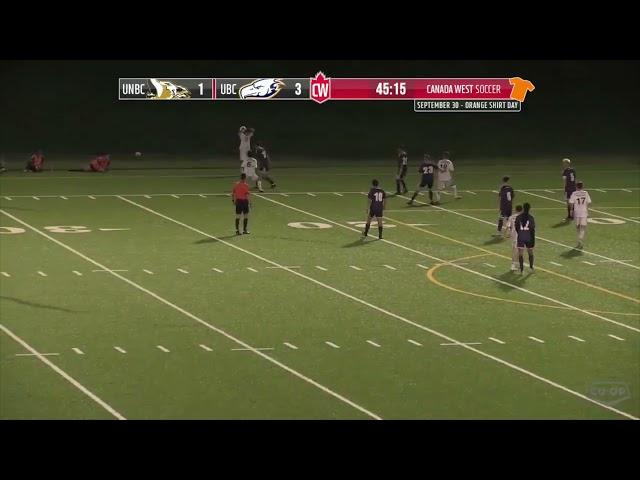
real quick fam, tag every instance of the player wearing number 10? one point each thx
(377, 204)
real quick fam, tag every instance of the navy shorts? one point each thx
(426, 182)
(242, 206)
(375, 212)
(569, 192)
(403, 171)
(526, 243)
(505, 211)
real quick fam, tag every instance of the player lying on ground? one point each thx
(526, 228)
(510, 231)
(401, 172)
(427, 171)
(100, 163)
(505, 203)
(35, 163)
(377, 202)
(579, 202)
(264, 163)
(445, 178)
(569, 180)
(240, 198)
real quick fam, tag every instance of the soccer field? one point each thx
(127, 295)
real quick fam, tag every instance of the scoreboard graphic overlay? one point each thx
(427, 94)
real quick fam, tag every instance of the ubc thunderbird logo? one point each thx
(261, 88)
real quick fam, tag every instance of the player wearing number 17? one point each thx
(580, 201)
(377, 203)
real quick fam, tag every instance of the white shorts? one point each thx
(251, 173)
(442, 184)
(244, 154)
(581, 221)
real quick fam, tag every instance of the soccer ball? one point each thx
(138, 154)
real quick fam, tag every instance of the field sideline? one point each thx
(127, 296)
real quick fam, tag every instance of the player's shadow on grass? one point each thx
(494, 240)
(574, 252)
(37, 305)
(358, 243)
(513, 278)
(560, 224)
(215, 240)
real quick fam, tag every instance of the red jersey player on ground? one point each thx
(35, 163)
(100, 163)
(240, 198)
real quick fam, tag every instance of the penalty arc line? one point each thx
(384, 311)
(196, 318)
(64, 374)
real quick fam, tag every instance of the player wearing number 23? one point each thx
(377, 200)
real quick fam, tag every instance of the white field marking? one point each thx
(36, 354)
(332, 344)
(577, 339)
(373, 343)
(590, 209)
(201, 195)
(472, 193)
(496, 340)
(5, 274)
(548, 191)
(64, 198)
(121, 350)
(559, 264)
(418, 344)
(63, 374)
(600, 190)
(346, 295)
(311, 194)
(609, 261)
(422, 266)
(217, 270)
(338, 194)
(423, 224)
(536, 339)
(250, 349)
(77, 273)
(8, 198)
(460, 344)
(284, 194)
(390, 267)
(489, 265)
(321, 268)
(147, 196)
(589, 263)
(92, 197)
(626, 190)
(494, 191)
(286, 266)
(35, 198)
(537, 236)
(459, 266)
(182, 270)
(291, 345)
(355, 268)
(112, 229)
(42, 274)
(165, 350)
(204, 347)
(196, 318)
(617, 338)
(252, 269)
(109, 271)
(148, 271)
(175, 196)
(78, 351)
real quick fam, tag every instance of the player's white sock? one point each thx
(259, 182)
(455, 190)
(581, 233)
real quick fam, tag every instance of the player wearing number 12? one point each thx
(526, 229)
(580, 201)
(377, 203)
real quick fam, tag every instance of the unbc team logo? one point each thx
(164, 90)
(261, 88)
(320, 88)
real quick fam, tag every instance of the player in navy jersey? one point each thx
(401, 172)
(526, 229)
(569, 178)
(377, 203)
(505, 203)
(427, 171)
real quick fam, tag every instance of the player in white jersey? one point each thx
(249, 170)
(445, 178)
(579, 202)
(510, 232)
(245, 135)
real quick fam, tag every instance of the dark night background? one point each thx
(71, 107)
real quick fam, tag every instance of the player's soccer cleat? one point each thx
(237, 232)
(246, 232)
(580, 246)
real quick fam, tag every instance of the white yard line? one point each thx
(204, 347)
(333, 345)
(346, 295)
(196, 318)
(109, 270)
(251, 349)
(490, 265)
(311, 194)
(589, 263)
(78, 351)
(373, 343)
(390, 267)
(496, 340)
(77, 273)
(175, 196)
(590, 209)
(557, 264)
(113, 229)
(338, 194)
(5, 274)
(626, 190)
(35, 198)
(600, 190)
(160, 347)
(121, 350)
(8, 198)
(617, 338)
(355, 268)
(64, 374)
(422, 266)
(252, 269)
(217, 270)
(291, 345)
(321, 268)
(92, 197)
(36, 354)
(460, 344)
(472, 193)
(287, 266)
(536, 339)
(182, 270)
(64, 198)
(148, 271)
(42, 274)
(418, 344)
(577, 339)
(147, 196)
(455, 212)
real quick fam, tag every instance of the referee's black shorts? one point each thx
(242, 206)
